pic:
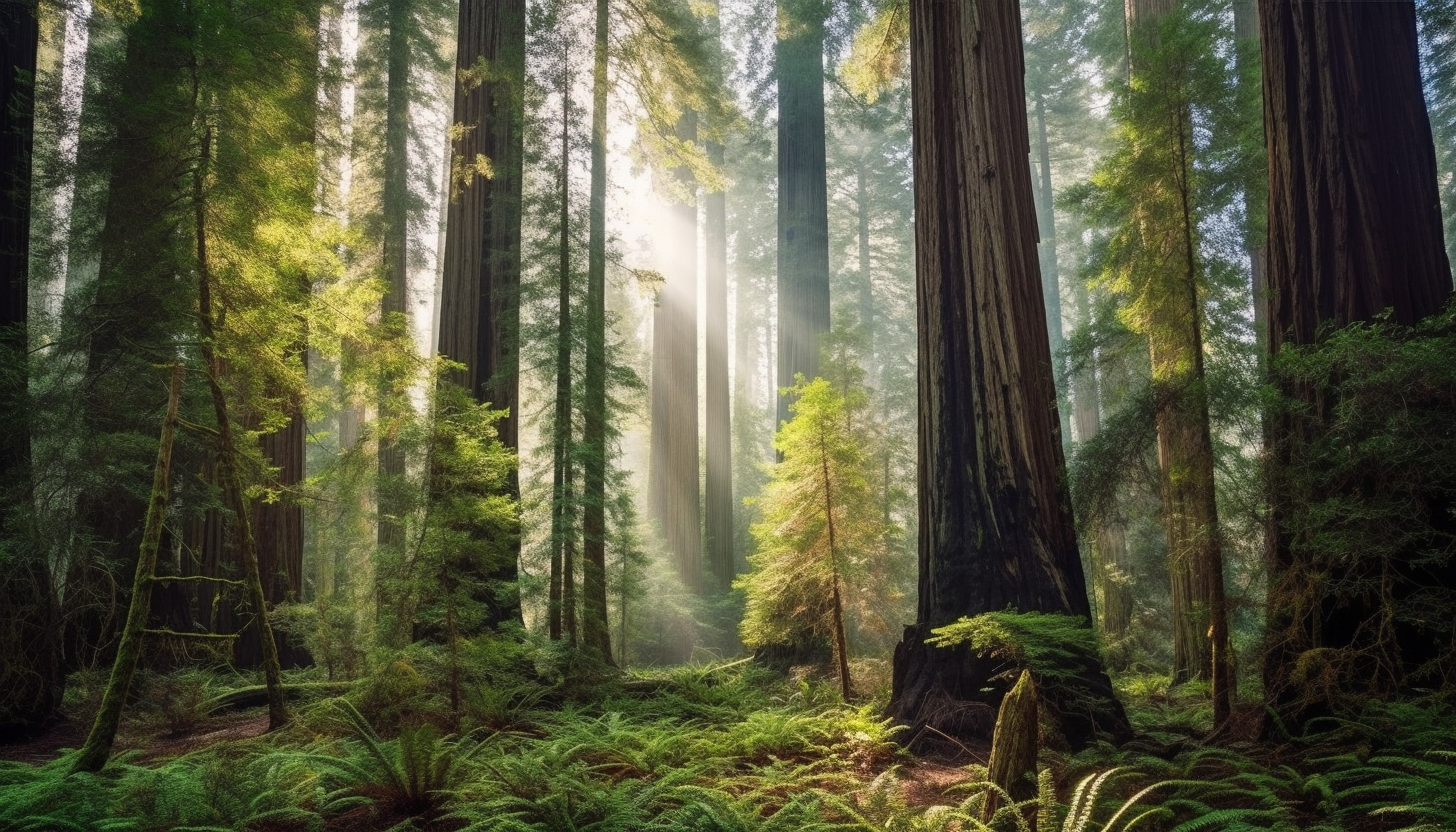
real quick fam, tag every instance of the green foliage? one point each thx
(1369, 497)
(413, 774)
(1050, 645)
(820, 531)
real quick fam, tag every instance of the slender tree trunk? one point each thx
(563, 582)
(1354, 229)
(395, 265)
(97, 749)
(1046, 251)
(674, 461)
(1109, 538)
(480, 294)
(995, 528)
(596, 635)
(841, 645)
(1174, 328)
(227, 450)
(718, 515)
(803, 252)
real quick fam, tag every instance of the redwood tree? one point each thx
(803, 252)
(995, 527)
(480, 297)
(1354, 229)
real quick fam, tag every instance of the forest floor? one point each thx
(700, 749)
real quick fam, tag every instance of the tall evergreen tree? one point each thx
(995, 524)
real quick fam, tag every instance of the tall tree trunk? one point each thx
(718, 519)
(1109, 538)
(32, 680)
(1256, 196)
(563, 526)
(480, 295)
(1354, 229)
(596, 635)
(1173, 322)
(393, 306)
(227, 449)
(1046, 251)
(995, 528)
(674, 461)
(803, 252)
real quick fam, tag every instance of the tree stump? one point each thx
(1013, 750)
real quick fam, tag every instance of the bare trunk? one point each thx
(596, 635)
(995, 528)
(803, 214)
(674, 472)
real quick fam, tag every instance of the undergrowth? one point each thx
(730, 747)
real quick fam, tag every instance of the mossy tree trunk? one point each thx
(97, 749)
(1012, 765)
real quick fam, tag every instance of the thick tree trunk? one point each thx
(803, 252)
(1256, 197)
(674, 472)
(31, 683)
(480, 295)
(995, 527)
(1354, 229)
(596, 635)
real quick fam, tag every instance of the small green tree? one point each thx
(821, 529)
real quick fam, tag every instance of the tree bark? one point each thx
(995, 528)
(675, 389)
(803, 212)
(1012, 765)
(1354, 229)
(1172, 320)
(718, 514)
(480, 295)
(32, 681)
(596, 634)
